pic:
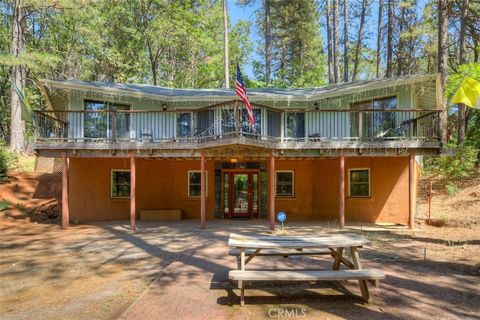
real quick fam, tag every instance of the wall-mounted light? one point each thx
(164, 106)
(315, 105)
(233, 160)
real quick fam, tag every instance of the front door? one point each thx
(240, 194)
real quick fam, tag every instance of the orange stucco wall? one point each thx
(162, 184)
(316, 190)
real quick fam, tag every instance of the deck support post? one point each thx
(133, 185)
(411, 191)
(65, 208)
(203, 209)
(341, 194)
(271, 192)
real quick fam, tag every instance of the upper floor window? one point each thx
(294, 124)
(359, 182)
(99, 123)
(245, 122)
(204, 123)
(120, 184)
(371, 123)
(184, 122)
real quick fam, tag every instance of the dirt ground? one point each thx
(97, 272)
(176, 271)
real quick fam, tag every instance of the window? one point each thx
(273, 123)
(284, 184)
(295, 125)
(371, 123)
(101, 124)
(120, 184)
(204, 123)
(245, 125)
(228, 120)
(359, 182)
(184, 124)
(194, 183)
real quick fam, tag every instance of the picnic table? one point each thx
(334, 245)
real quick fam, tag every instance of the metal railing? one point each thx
(229, 120)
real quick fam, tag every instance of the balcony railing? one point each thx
(229, 120)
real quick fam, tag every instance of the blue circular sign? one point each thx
(281, 216)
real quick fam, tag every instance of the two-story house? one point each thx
(343, 152)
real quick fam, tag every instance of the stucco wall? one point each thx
(162, 184)
(316, 190)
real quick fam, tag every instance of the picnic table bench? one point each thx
(248, 247)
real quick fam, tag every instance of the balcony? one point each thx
(228, 124)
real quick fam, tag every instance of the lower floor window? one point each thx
(194, 183)
(284, 184)
(120, 184)
(359, 182)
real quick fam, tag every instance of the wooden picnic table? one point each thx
(334, 245)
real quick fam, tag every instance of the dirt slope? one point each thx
(32, 195)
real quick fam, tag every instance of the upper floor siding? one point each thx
(286, 120)
(378, 114)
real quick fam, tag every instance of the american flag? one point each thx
(242, 93)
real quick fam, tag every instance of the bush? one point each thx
(7, 162)
(460, 165)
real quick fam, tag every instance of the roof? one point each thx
(175, 94)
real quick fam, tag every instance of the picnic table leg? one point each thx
(358, 265)
(240, 282)
(338, 259)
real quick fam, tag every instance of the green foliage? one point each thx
(296, 45)
(460, 165)
(4, 205)
(8, 161)
(451, 189)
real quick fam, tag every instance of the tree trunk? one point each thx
(18, 75)
(400, 48)
(442, 60)
(379, 35)
(345, 41)
(389, 38)
(359, 40)
(225, 45)
(283, 61)
(462, 60)
(336, 53)
(268, 57)
(329, 44)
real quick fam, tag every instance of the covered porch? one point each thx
(238, 183)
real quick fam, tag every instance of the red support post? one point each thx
(341, 193)
(411, 191)
(271, 195)
(203, 209)
(133, 185)
(65, 209)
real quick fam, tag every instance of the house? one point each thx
(343, 152)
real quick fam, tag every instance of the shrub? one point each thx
(451, 189)
(460, 165)
(3, 205)
(7, 162)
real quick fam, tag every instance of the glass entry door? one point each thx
(240, 194)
